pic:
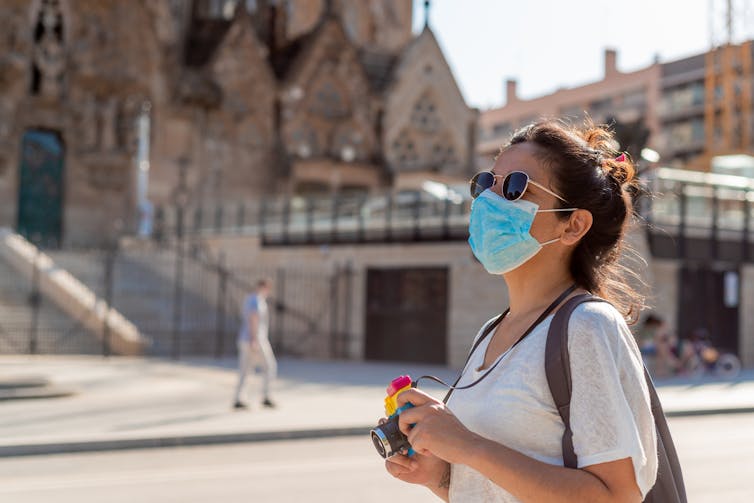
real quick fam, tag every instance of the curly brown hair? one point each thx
(591, 175)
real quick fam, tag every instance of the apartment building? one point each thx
(694, 108)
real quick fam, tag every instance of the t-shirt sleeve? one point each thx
(611, 416)
(251, 305)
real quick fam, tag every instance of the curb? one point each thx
(7, 451)
(33, 393)
(709, 412)
(24, 382)
(177, 441)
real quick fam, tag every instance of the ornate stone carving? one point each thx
(49, 52)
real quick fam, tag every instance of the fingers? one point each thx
(416, 397)
(409, 417)
(399, 465)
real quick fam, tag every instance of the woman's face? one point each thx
(520, 157)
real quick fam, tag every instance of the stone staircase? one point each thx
(144, 291)
(56, 332)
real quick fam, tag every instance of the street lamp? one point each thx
(180, 199)
(143, 206)
(650, 155)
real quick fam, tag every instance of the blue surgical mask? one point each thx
(499, 231)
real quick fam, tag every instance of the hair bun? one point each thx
(617, 165)
(620, 169)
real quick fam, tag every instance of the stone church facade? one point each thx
(245, 98)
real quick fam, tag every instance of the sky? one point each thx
(550, 44)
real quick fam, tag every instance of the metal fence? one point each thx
(185, 303)
(700, 216)
(683, 209)
(30, 323)
(405, 216)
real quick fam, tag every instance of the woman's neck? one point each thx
(535, 288)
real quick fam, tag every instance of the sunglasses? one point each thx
(515, 184)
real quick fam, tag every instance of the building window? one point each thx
(572, 111)
(216, 9)
(406, 150)
(443, 153)
(697, 93)
(601, 107)
(635, 99)
(329, 101)
(424, 115)
(501, 129)
(304, 142)
(697, 130)
(527, 120)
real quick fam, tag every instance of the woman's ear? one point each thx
(577, 226)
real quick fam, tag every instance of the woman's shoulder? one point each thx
(597, 312)
(600, 319)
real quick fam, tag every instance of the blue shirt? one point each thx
(254, 303)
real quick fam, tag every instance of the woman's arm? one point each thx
(436, 430)
(424, 469)
(532, 480)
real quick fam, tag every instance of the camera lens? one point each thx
(380, 442)
(388, 439)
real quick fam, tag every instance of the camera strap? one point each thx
(487, 331)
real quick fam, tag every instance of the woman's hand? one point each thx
(432, 428)
(422, 469)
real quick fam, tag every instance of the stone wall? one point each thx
(474, 296)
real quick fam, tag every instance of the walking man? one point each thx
(254, 344)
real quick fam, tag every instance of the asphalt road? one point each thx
(717, 453)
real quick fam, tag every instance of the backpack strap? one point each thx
(558, 369)
(669, 486)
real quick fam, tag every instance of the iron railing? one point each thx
(407, 216)
(183, 301)
(683, 210)
(699, 216)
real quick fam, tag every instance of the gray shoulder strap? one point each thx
(558, 369)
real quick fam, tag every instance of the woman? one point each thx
(500, 440)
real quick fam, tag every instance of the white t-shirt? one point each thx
(611, 415)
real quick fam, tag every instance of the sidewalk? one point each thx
(138, 402)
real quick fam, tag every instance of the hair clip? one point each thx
(621, 157)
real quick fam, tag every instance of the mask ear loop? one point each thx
(553, 211)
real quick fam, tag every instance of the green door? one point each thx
(40, 188)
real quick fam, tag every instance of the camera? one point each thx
(387, 438)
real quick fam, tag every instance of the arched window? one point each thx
(329, 100)
(303, 141)
(442, 152)
(349, 143)
(424, 115)
(216, 9)
(405, 150)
